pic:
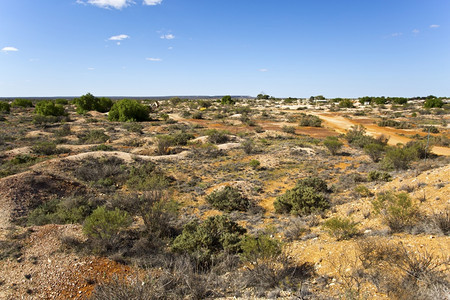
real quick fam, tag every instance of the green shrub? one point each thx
(305, 198)
(128, 111)
(209, 239)
(288, 129)
(431, 129)
(398, 210)
(5, 107)
(398, 158)
(228, 199)
(93, 137)
(227, 100)
(44, 120)
(433, 102)
(104, 226)
(217, 137)
(255, 164)
(48, 108)
(341, 228)
(182, 138)
(197, 115)
(333, 144)
(356, 136)
(163, 144)
(147, 177)
(89, 102)
(61, 101)
(104, 105)
(363, 191)
(22, 103)
(63, 131)
(379, 176)
(103, 147)
(346, 103)
(375, 151)
(133, 127)
(22, 159)
(261, 247)
(310, 120)
(44, 148)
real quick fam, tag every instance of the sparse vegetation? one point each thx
(128, 111)
(228, 199)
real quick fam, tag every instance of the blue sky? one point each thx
(284, 48)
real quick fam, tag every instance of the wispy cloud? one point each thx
(168, 36)
(153, 59)
(416, 31)
(119, 37)
(152, 2)
(117, 4)
(435, 26)
(170, 48)
(91, 69)
(263, 70)
(9, 49)
(396, 34)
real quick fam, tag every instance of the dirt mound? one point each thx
(20, 193)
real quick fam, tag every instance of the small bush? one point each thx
(398, 210)
(5, 107)
(333, 144)
(217, 137)
(399, 158)
(248, 146)
(22, 103)
(89, 102)
(128, 111)
(375, 151)
(363, 191)
(341, 228)
(209, 239)
(227, 100)
(48, 108)
(93, 137)
(133, 127)
(433, 102)
(104, 226)
(147, 177)
(431, 129)
(379, 176)
(310, 120)
(163, 144)
(261, 247)
(254, 164)
(228, 199)
(44, 148)
(182, 138)
(305, 198)
(288, 129)
(61, 101)
(346, 103)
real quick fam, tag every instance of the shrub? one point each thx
(227, 100)
(228, 199)
(398, 210)
(44, 148)
(93, 137)
(379, 176)
(310, 120)
(333, 144)
(5, 107)
(163, 144)
(104, 105)
(399, 158)
(217, 137)
(288, 129)
(356, 136)
(128, 110)
(147, 177)
(375, 151)
(254, 164)
(209, 239)
(22, 103)
(341, 228)
(89, 102)
(248, 146)
(261, 247)
(197, 115)
(61, 101)
(305, 198)
(44, 120)
(363, 191)
(182, 138)
(48, 108)
(104, 226)
(346, 103)
(431, 129)
(433, 102)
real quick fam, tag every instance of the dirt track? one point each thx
(341, 125)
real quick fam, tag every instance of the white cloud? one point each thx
(91, 69)
(117, 4)
(10, 49)
(170, 48)
(153, 59)
(119, 37)
(168, 36)
(435, 26)
(395, 34)
(416, 31)
(152, 2)
(263, 70)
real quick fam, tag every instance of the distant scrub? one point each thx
(89, 102)
(22, 103)
(129, 111)
(5, 107)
